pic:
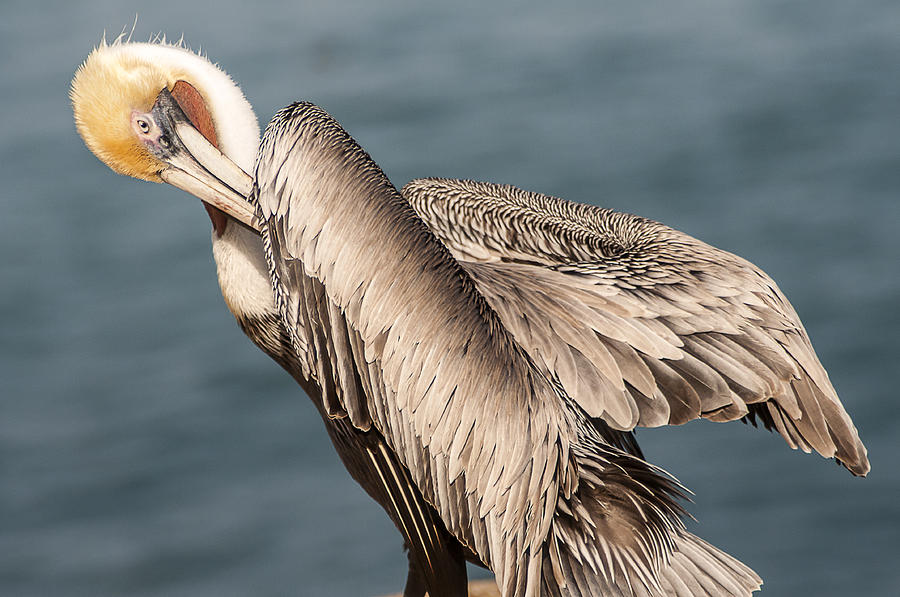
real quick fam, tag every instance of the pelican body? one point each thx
(479, 354)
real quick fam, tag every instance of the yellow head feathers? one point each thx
(107, 88)
(117, 79)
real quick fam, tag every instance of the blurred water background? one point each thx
(147, 448)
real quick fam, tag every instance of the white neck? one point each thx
(243, 272)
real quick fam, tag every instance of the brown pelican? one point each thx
(479, 354)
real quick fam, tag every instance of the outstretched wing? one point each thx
(643, 325)
(396, 334)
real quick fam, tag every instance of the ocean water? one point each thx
(147, 448)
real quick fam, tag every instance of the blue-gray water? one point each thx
(147, 448)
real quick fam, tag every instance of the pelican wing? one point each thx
(642, 324)
(395, 332)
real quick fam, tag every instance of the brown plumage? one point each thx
(644, 325)
(479, 354)
(398, 337)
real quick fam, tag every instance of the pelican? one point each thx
(479, 354)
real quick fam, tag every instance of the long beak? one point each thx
(196, 166)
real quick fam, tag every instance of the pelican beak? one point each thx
(193, 164)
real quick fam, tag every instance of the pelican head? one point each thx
(161, 113)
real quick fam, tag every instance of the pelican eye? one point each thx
(143, 125)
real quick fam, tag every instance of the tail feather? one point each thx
(695, 569)
(620, 535)
(698, 568)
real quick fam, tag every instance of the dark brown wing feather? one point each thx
(643, 325)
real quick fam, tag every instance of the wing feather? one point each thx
(672, 320)
(408, 348)
(484, 386)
